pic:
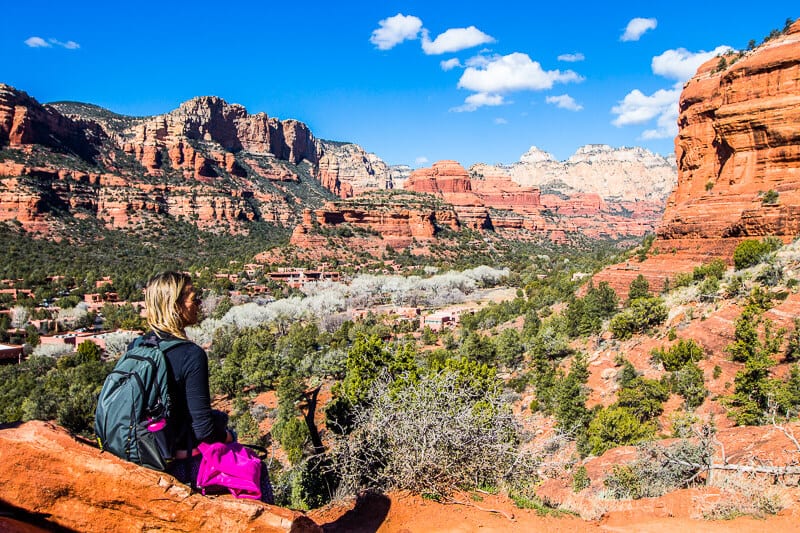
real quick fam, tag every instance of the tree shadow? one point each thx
(367, 516)
(14, 518)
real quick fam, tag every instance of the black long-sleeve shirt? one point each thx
(191, 419)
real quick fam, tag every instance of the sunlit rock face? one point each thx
(739, 139)
(738, 156)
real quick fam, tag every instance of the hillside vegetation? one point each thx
(525, 392)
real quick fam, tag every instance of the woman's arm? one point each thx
(198, 400)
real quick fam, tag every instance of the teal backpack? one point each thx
(130, 421)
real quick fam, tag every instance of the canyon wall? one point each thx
(738, 156)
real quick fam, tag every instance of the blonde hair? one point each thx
(162, 299)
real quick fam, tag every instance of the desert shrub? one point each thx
(617, 426)
(715, 269)
(746, 343)
(708, 289)
(478, 348)
(753, 388)
(688, 382)
(643, 398)
(679, 354)
(735, 287)
(642, 314)
(531, 325)
(786, 394)
(745, 495)
(580, 479)
(431, 436)
(639, 288)
(627, 374)
(770, 197)
(584, 316)
(658, 470)
(792, 353)
(771, 275)
(509, 348)
(572, 416)
(683, 279)
(750, 252)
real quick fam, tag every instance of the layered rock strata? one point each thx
(737, 141)
(208, 161)
(738, 155)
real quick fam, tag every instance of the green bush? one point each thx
(688, 382)
(617, 426)
(678, 355)
(643, 397)
(639, 288)
(642, 314)
(770, 197)
(580, 479)
(750, 252)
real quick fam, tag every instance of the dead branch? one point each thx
(509, 516)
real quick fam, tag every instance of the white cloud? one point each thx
(667, 125)
(513, 72)
(681, 64)
(421, 160)
(69, 45)
(571, 58)
(636, 28)
(638, 108)
(500, 121)
(37, 42)
(480, 60)
(450, 64)
(564, 101)
(474, 101)
(454, 40)
(394, 30)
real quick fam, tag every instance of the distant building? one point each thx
(439, 321)
(296, 278)
(10, 354)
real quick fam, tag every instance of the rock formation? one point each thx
(347, 169)
(208, 161)
(737, 141)
(398, 218)
(630, 174)
(507, 205)
(48, 473)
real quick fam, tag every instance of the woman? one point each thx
(171, 305)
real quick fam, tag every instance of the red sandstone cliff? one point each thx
(208, 162)
(497, 201)
(737, 140)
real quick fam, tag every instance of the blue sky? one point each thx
(413, 82)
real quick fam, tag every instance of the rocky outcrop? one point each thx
(736, 143)
(48, 473)
(24, 122)
(507, 205)
(451, 182)
(209, 119)
(207, 162)
(347, 169)
(395, 217)
(630, 174)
